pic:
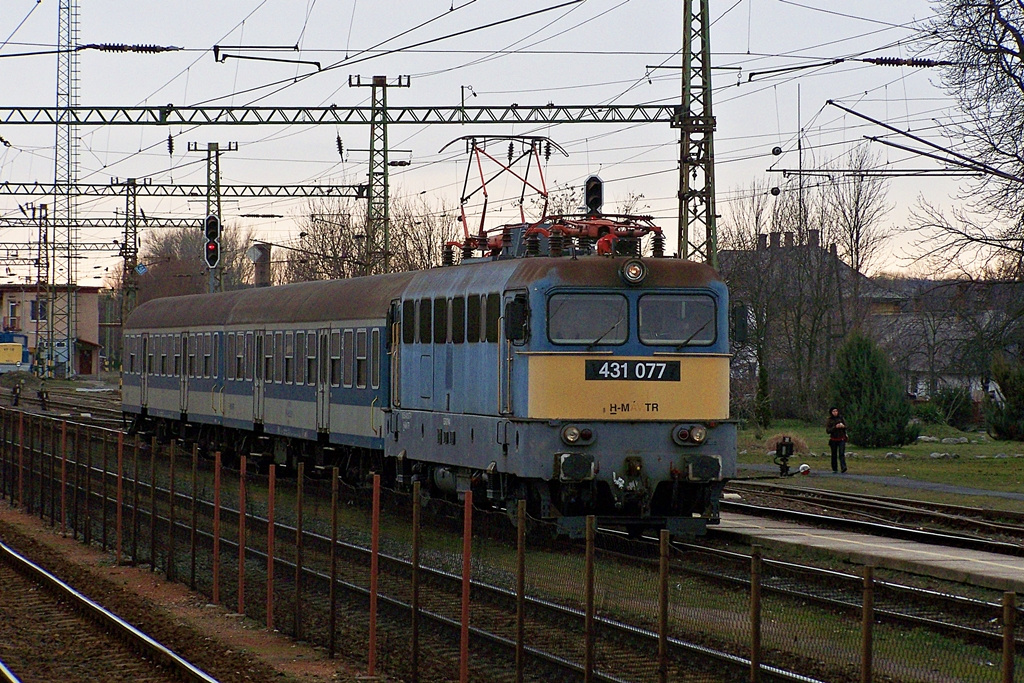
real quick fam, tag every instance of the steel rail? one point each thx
(106, 619)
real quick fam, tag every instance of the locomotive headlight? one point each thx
(633, 272)
(571, 434)
(699, 433)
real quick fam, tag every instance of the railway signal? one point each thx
(212, 251)
(593, 195)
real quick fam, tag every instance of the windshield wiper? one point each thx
(696, 332)
(605, 333)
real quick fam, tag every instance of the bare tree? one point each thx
(175, 259)
(982, 43)
(855, 206)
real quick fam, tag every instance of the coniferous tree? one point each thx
(870, 395)
(1006, 416)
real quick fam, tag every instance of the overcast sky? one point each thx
(589, 52)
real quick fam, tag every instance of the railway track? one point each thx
(51, 632)
(961, 527)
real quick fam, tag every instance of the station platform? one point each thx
(999, 572)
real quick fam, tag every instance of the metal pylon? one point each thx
(377, 248)
(698, 236)
(213, 151)
(130, 249)
(62, 331)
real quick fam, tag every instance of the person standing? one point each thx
(835, 426)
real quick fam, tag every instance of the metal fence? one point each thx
(359, 570)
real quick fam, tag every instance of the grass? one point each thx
(976, 467)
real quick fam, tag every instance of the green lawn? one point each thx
(976, 467)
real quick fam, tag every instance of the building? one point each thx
(24, 308)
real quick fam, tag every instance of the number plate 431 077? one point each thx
(633, 370)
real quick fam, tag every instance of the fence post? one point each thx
(193, 532)
(135, 501)
(755, 615)
(588, 589)
(21, 458)
(415, 582)
(152, 506)
(467, 549)
(1009, 624)
(120, 494)
(299, 486)
(374, 546)
(87, 531)
(216, 528)
(867, 624)
(51, 461)
(103, 487)
(663, 608)
(170, 570)
(334, 563)
(63, 478)
(241, 535)
(270, 545)
(520, 590)
(76, 475)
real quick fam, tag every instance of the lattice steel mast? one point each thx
(63, 310)
(698, 236)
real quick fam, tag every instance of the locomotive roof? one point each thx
(369, 297)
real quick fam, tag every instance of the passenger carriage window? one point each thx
(177, 356)
(231, 353)
(336, 356)
(248, 356)
(349, 353)
(493, 313)
(440, 321)
(279, 357)
(408, 322)
(300, 357)
(375, 358)
(458, 320)
(268, 357)
(191, 370)
(163, 356)
(677, 319)
(215, 370)
(425, 326)
(592, 319)
(289, 358)
(207, 351)
(361, 357)
(311, 358)
(473, 318)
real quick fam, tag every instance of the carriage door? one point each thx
(513, 328)
(180, 367)
(323, 381)
(147, 367)
(394, 346)
(257, 378)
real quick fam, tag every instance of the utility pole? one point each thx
(213, 151)
(698, 235)
(377, 212)
(129, 251)
(63, 290)
(42, 277)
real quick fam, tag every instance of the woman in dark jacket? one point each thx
(835, 426)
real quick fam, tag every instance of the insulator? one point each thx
(547, 150)
(511, 149)
(900, 61)
(555, 244)
(448, 256)
(533, 244)
(658, 245)
(467, 248)
(585, 244)
(170, 145)
(506, 239)
(341, 147)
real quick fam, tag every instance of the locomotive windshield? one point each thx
(677, 319)
(594, 319)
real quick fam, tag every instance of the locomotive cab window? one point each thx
(493, 314)
(677, 319)
(458, 320)
(473, 318)
(425, 326)
(440, 321)
(408, 322)
(592, 319)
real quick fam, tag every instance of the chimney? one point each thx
(789, 239)
(813, 238)
(762, 241)
(776, 236)
(259, 253)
